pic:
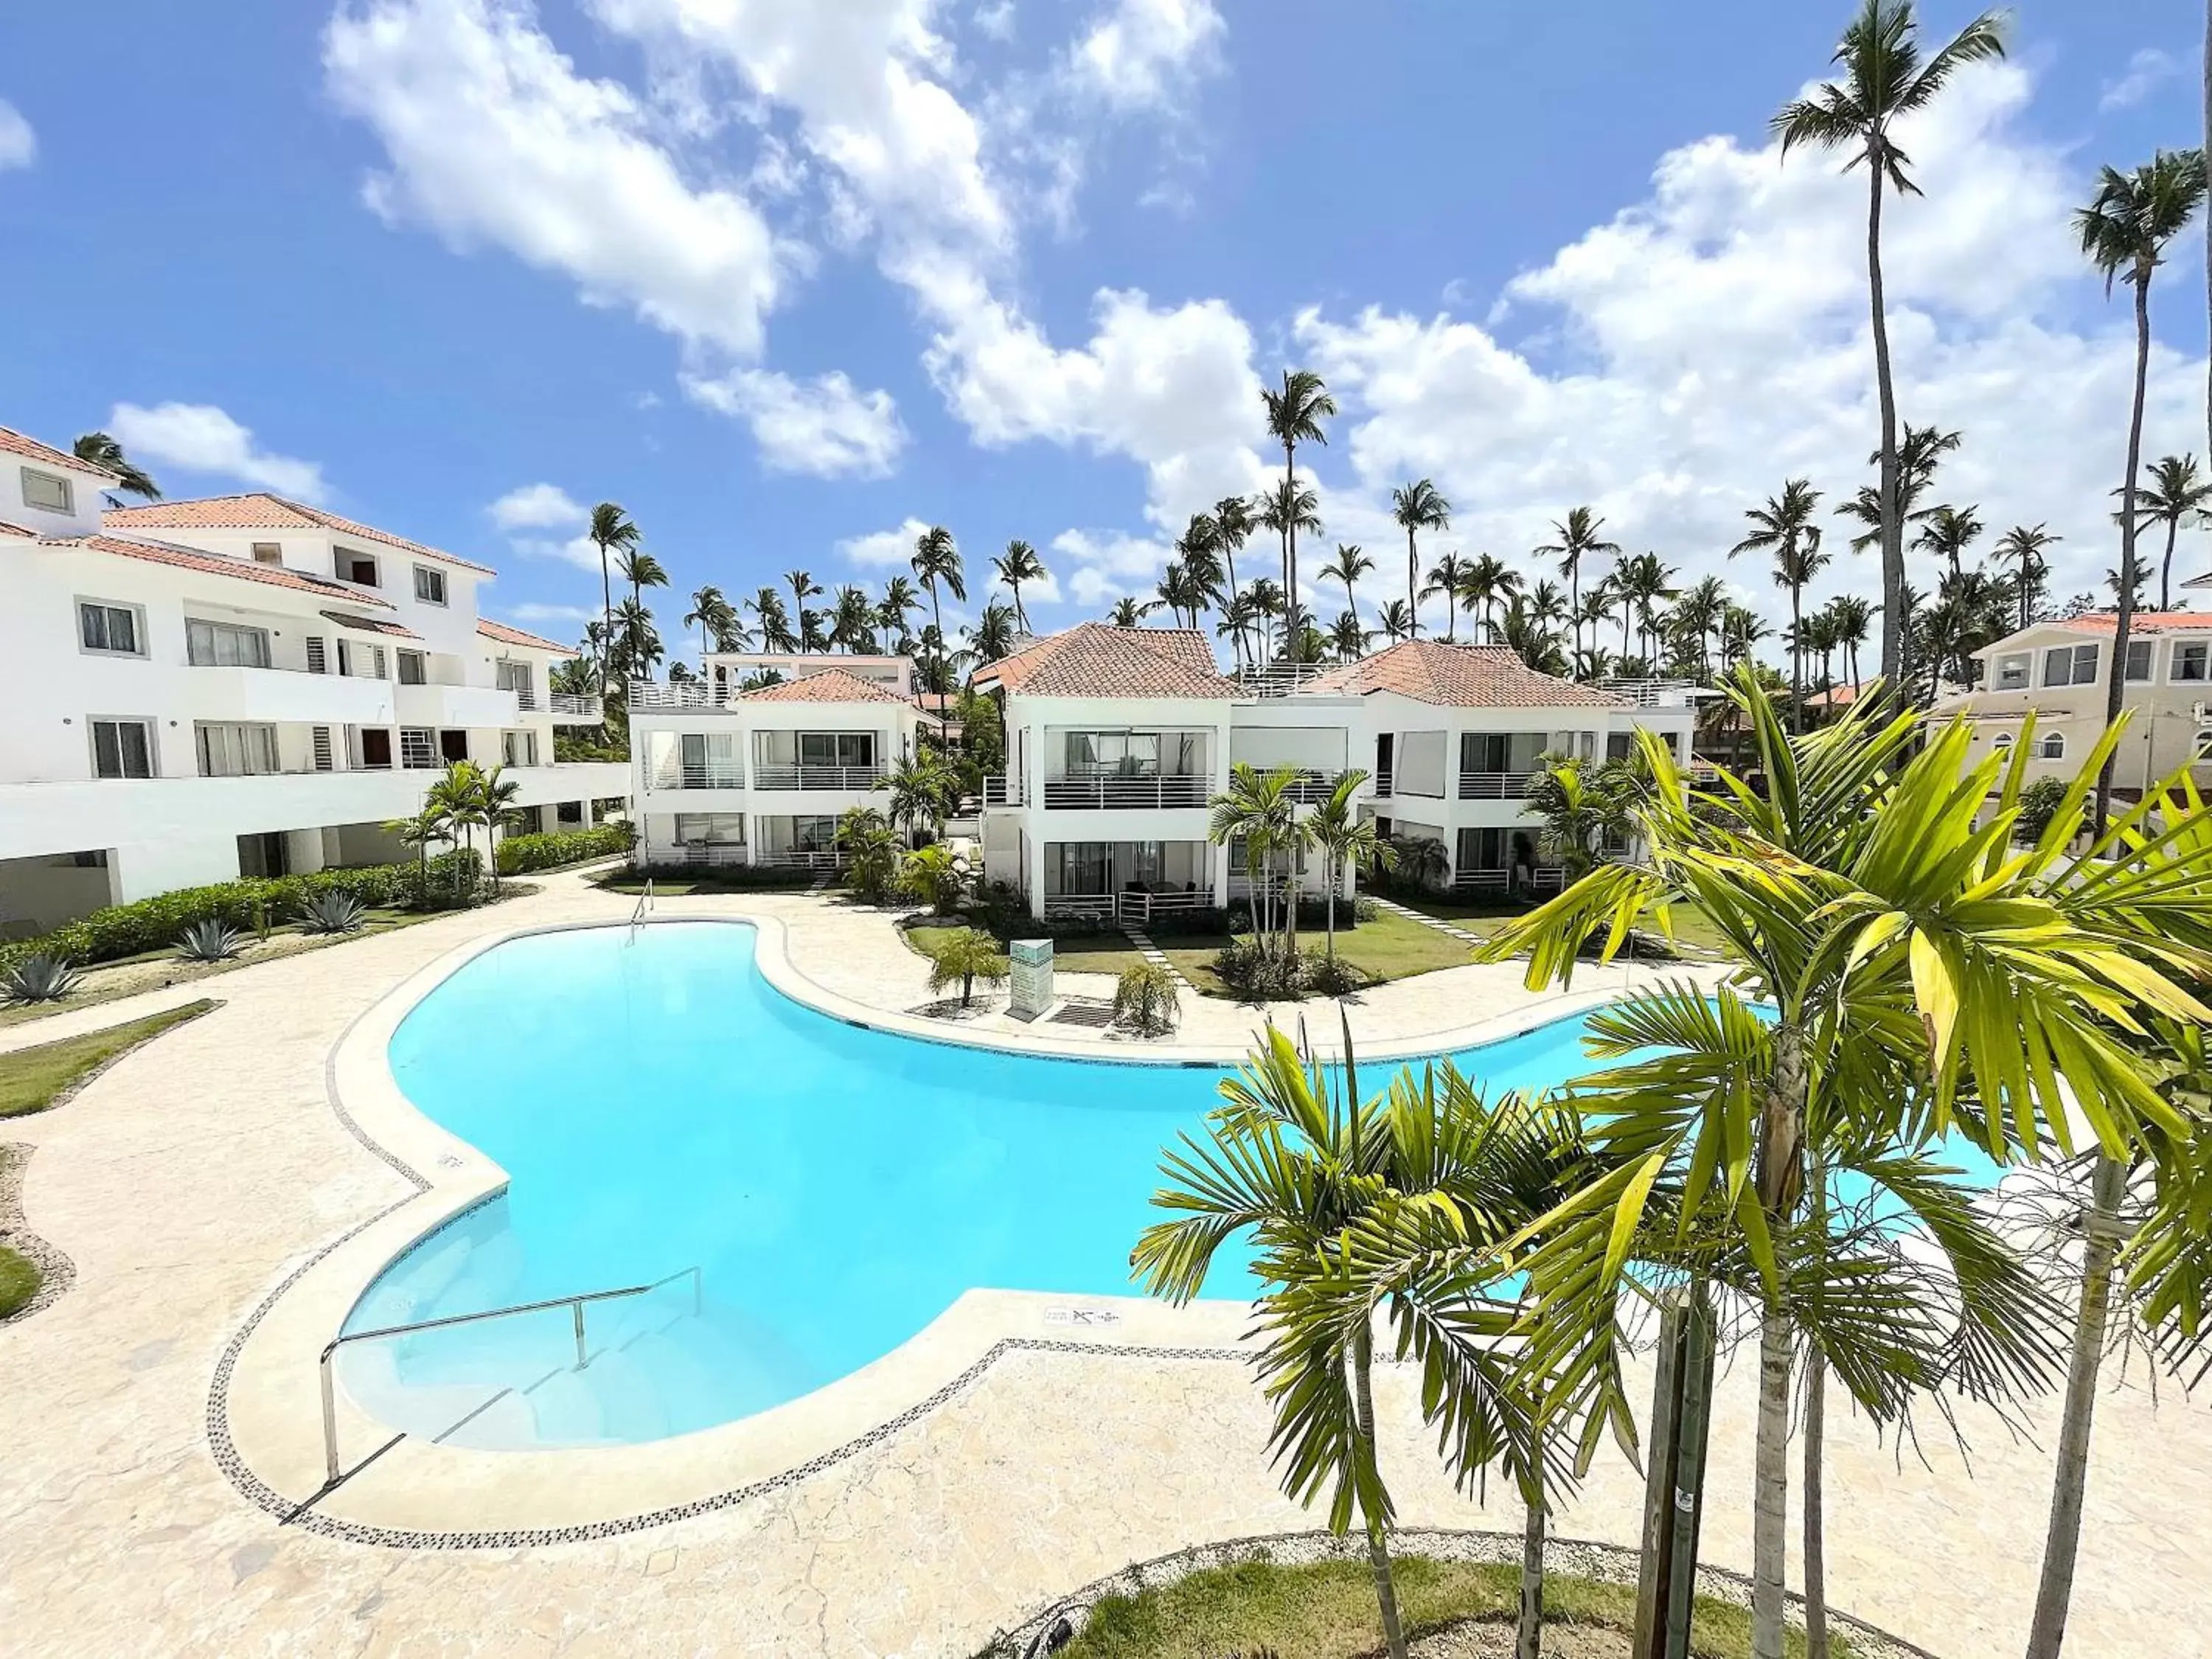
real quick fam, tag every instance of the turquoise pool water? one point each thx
(657, 1107)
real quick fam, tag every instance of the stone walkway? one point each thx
(1449, 929)
(188, 1180)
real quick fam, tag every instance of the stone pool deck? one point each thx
(191, 1179)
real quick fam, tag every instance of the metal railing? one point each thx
(1493, 786)
(640, 910)
(571, 702)
(816, 777)
(677, 693)
(1650, 693)
(1125, 793)
(1101, 906)
(576, 1303)
(1279, 679)
(1494, 881)
(1385, 782)
(1311, 788)
(702, 852)
(526, 699)
(709, 775)
(797, 858)
(1004, 790)
(1141, 907)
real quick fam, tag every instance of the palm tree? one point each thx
(2023, 546)
(1578, 540)
(1920, 454)
(430, 824)
(1130, 612)
(2124, 231)
(1349, 564)
(1347, 638)
(1345, 840)
(1198, 549)
(1947, 533)
(1019, 564)
(899, 599)
(714, 617)
(802, 587)
(775, 633)
(1266, 603)
(853, 620)
(1643, 581)
(1447, 576)
(1594, 610)
(1397, 620)
(1784, 527)
(1417, 506)
(993, 635)
(609, 529)
(1287, 509)
(1260, 809)
(1851, 615)
(1177, 593)
(1238, 614)
(1294, 418)
(640, 570)
(937, 564)
(924, 789)
(102, 450)
(458, 798)
(496, 797)
(1233, 524)
(1883, 80)
(1486, 584)
(637, 645)
(2176, 489)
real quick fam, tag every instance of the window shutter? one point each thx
(323, 760)
(318, 659)
(380, 674)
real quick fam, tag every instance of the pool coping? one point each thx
(264, 1414)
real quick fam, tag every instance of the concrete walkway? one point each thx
(188, 1180)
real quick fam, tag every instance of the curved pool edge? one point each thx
(265, 1418)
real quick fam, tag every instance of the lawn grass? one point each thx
(30, 1079)
(1325, 1610)
(19, 1280)
(1693, 934)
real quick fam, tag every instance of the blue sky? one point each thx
(781, 283)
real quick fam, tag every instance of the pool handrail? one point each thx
(576, 1303)
(638, 911)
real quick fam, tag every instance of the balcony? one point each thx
(1117, 795)
(1493, 786)
(567, 707)
(701, 853)
(1002, 792)
(808, 779)
(1653, 693)
(1384, 784)
(651, 695)
(1311, 788)
(241, 694)
(705, 775)
(478, 706)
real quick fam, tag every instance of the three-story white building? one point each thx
(244, 686)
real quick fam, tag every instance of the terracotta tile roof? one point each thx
(7, 529)
(259, 510)
(20, 443)
(213, 564)
(822, 685)
(2143, 621)
(1462, 677)
(373, 625)
(1097, 660)
(508, 635)
(1836, 696)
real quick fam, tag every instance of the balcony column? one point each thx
(305, 851)
(1221, 857)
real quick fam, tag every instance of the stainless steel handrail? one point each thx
(576, 1303)
(638, 911)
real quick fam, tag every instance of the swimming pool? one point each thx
(658, 1106)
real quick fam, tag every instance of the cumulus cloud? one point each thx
(2147, 70)
(579, 550)
(19, 145)
(995, 19)
(823, 427)
(1140, 53)
(535, 611)
(535, 507)
(1108, 563)
(202, 438)
(884, 547)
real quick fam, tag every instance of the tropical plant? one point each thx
(636, 643)
(610, 530)
(458, 798)
(1286, 509)
(2039, 803)
(871, 850)
(1417, 506)
(430, 824)
(640, 570)
(716, 619)
(1179, 593)
(931, 876)
(1259, 810)
(1420, 862)
(1397, 620)
(1346, 841)
(1294, 418)
(1578, 540)
(900, 600)
(2023, 547)
(2177, 489)
(1130, 611)
(967, 956)
(937, 565)
(1882, 80)
(1446, 577)
(1784, 527)
(776, 635)
(1583, 808)
(496, 797)
(1233, 524)
(1349, 564)
(1019, 564)
(1486, 584)
(1146, 998)
(925, 790)
(332, 913)
(2124, 230)
(1947, 533)
(1851, 616)
(211, 940)
(993, 635)
(40, 977)
(1642, 581)
(1348, 639)
(853, 620)
(1198, 549)
(101, 449)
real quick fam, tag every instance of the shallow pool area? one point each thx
(805, 1194)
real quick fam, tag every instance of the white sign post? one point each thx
(1032, 980)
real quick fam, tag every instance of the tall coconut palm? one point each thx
(1920, 455)
(1644, 580)
(900, 600)
(1446, 577)
(1884, 79)
(1129, 611)
(609, 528)
(640, 570)
(1851, 615)
(936, 565)
(1947, 533)
(1487, 583)
(2124, 230)
(1347, 638)
(1267, 605)
(993, 635)
(1019, 564)
(853, 620)
(1397, 620)
(1178, 592)
(1578, 538)
(1238, 614)
(715, 618)
(1417, 507)
(2176, 489)
(1294, 418)
(1349, 564)
(1198, 550)
(1286, 509)
(1345, 840)
(101, 449)
(802, 587)
(1784, 528)
(1259, 808)
(1593, 613)
(2022, 547)
(1233, 524)
(767, 606)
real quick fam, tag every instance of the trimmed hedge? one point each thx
(153, 924)
(734, 877)
(520, 854)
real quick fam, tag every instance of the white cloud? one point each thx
(2147, 70)
(580, 551)
(1138, 53)
(1108, 564)
(823, 427)
(201, 438)
(19, 145)
(995, 18)
(534, 611)
(494, 138)
(535, 507)
(884, 547)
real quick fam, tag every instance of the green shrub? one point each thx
(966, 956)
(520, 854)
(1145, 998)
(718, 877)
(1269, 974)
(2037, 804)
(330, 913)
(39, 978)
(211, 940)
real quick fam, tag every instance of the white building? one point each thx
(242, 686)
(727, 775)
(1117, 738)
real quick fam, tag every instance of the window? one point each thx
(2051, 746)
(453, 744)
(515, 677)
(356, 567)
(2012, 672)
(228, 750)
(418, 747)
(429, 585)
(710, 761)
(813, 834)
(2002, 743)
(412, 668)
(122, 749)
(2070, 665)
(2204, 745)
(267, 553)
(319, 660)
(519, 748)
(225, 645)
(2139, 660)
(112, 629)
(372, 749)
(2189, 660)
(320, 741)
(709, 829)
(46, 492)
(1619, 745)
(836, 749)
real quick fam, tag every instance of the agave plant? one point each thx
(211, 940)
(332, 913)
(41, 978)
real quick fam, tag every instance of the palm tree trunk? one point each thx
(1816, 1571)
(1770, 1524)
(2116, 670)
(1378, 1546)
(1796, 658)
(2048, 1633)
(1528, 1635)
(606, 617)
(1893, 527)
(1290, 531)
(1413, 585)
(2165, 567)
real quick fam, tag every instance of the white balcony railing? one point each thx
(1651, 693)
(816, 777)
(1311, 788)
(571, 703)
(1125, 793)
(1139, 908)
(1493, 786)
(1385, 782)
(1002, 792)
(796, 858)
(700, 853)
(709, 774)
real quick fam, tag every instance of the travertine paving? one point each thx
(193, 1178)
